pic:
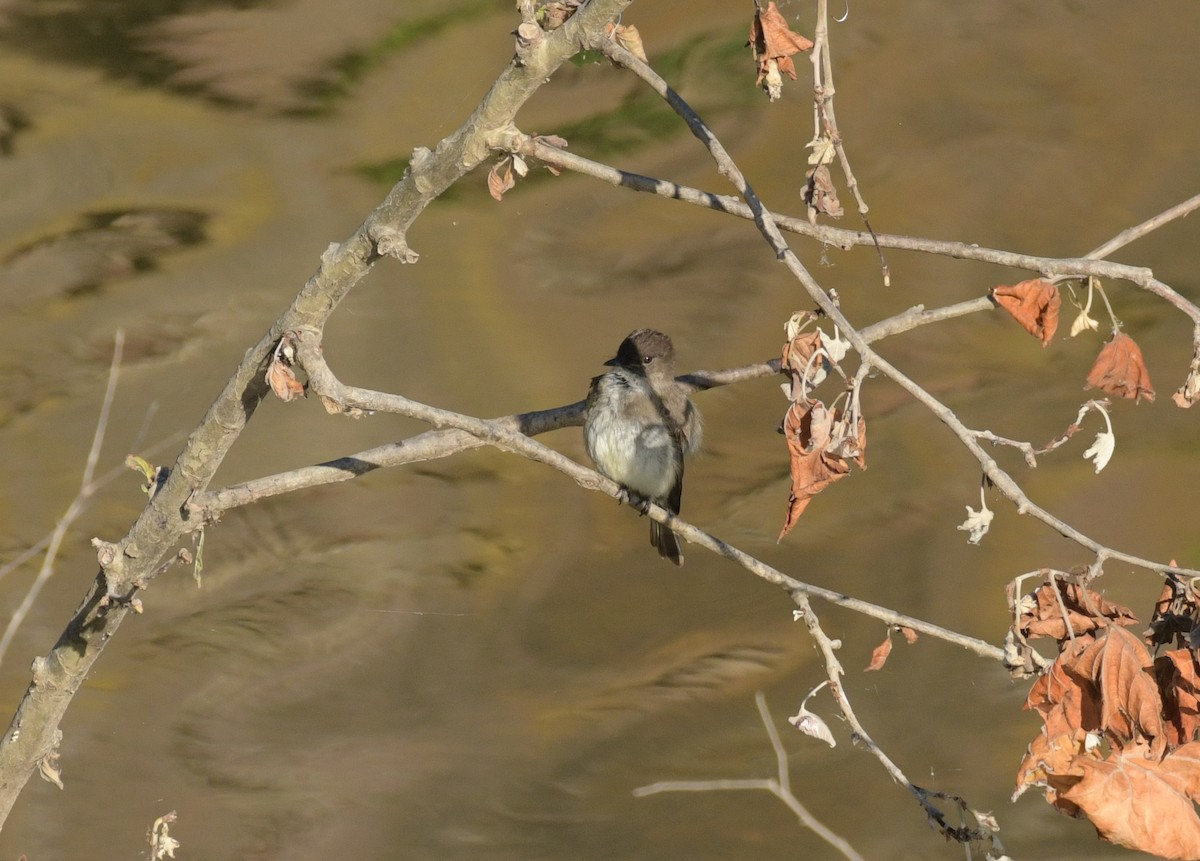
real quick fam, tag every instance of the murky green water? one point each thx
(471, 658)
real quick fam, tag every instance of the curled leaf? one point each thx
(1084, 323)
(630, 39)
(1120, 370)
(812, 724)
(977, 523)
(774, 43)
(879, 654)
(500, 178)
(819, 193)
(1034, 304)
(1101, 451)
(822, 444)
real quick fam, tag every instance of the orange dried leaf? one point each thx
(1047, 754)
(1120, 370)
(821, 450)
(880, 654)
(1034, 304)
(1119, 667)
(1178, 676)
(283, 382)
(910, 635)
(1066, 703)
(774, 43)
(1137, 803)
(1085, 611)
(772, 37)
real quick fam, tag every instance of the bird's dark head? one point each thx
(645, 351)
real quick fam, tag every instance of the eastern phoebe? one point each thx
(638, 424)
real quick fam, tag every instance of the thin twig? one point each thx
(1130, 234)
(779, 786)
(77, 506)
(834, 672)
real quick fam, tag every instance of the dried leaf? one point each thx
(823, 150)
(1138, 803)
(1084, 323)
(800, 359)
(283, 382)
(630, 39)
(500, 178)
(1085, 611)
(1034, 304)
(774, 43)
(1120, 370)
(1131, 708)
(880, 654)
(1189, 392)
(810, 432)
(820, 194)
(1047, 755)
(50, 768)
(812, 724)
(1178, 676)
(1102, 449)
(977, 523)
(910, 636)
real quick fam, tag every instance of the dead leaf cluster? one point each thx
(1117, 743)
(503, 174)
(822, 442)
(773, 44)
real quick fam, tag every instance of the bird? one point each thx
(639, 424)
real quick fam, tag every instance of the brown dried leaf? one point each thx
(1119, 667)
(283, 382)
(1086, 611)
(556, 13)
(880, 654)
(810, 432)
(500, 178)
(630, 39)
(774, 43)
(820, 194)
(1138, 803)
(1120, 370)
(1189, 392)
(1048, 754)
(1178, 676)
(798, 360)
(1175, 615)
(1066, 704)
(1034, 304)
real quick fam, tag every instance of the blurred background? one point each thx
(471, 658)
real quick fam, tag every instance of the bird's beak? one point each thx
(613, 362)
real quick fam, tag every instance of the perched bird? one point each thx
(639, 424)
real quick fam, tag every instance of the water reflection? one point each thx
(460, 660)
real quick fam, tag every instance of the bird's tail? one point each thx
(666, 542)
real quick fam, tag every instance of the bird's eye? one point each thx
(647, 360)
